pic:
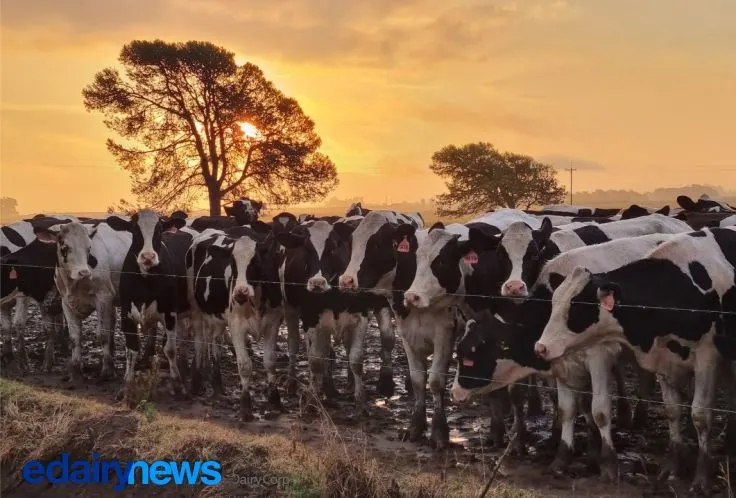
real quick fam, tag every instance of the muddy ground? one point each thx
(640, 451)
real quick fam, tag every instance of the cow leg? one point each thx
(388, 340)
(594, 436)
(238, 332)
(292, 331)
(106, 323)
(51, 326)
(730, 429)
(497, 400)
(19, 326)
(354, 340)
(534, 408)
(132, 350)
(440, 435)
(706, 373)
(318, 354)
(216, 345)
(270, 330)
(518, 392)
(74, 321)
(566, 411)
(417, 371)
(600, 369)
(623, 407)
(647, 382)
(200, 363)
(173, 326)
(672, 403)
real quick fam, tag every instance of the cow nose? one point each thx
(317, 284)
(148, 257)
(412, 299)
(347, 282)
(540, 350)
(85, 273)
(515, 288)
(240, 295)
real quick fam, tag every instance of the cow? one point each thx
(244, 210)
(317, 252)
(357, 209)
(27, 273)
(704, 205)
(153, 286)
(636, 211)
(484, 365)
(580, 211)
(383, 260)
(232, 280)
(667, 308)
(89, 259)
(303, 218)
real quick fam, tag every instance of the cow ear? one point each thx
(91, 231)
(404, 231)
(437, 225)
(177, 223)
(258, 205)
(542, 235)
(229, 211)
(290, 240)
(608, 295)
(46, 235)
(479, 241)
(343, 230)
(555, 280)
(118, 224)
(665, 211)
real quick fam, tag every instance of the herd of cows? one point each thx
(568, 294)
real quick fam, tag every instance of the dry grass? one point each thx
(40, 424)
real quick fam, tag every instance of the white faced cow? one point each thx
(648, 306)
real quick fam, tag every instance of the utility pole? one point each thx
(570, 169)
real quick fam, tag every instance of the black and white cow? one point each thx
(357, 209)
(233, 280)
(637, 211)
(27, 272)
(578, 211)
(153, 286)
(89, 259)
(647, 305)
(384, 258)
(704, 205)
(244, 210)
(317, 252)
(484, 364)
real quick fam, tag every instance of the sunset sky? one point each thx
(637, 93)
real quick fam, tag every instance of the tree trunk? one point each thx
(214, 194)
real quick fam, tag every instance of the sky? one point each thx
(635, 94)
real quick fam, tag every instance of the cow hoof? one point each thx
(385, 385)
(328, 388)
(246, 407)
(562, 460)
(518, 448)
(274, 399)
(47, 365)
(417, 426)
(440, 435)
(75, 375)
(609, 472)
(120, 395)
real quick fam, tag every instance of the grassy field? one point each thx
(40, 424)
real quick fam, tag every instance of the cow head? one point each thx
(244, 210)
(582, 314)
(317, 253)
(521, 254)
(239, 259)
(73, 247)
(356, 209)
(376, 245)
(438, 271)
(146, 227)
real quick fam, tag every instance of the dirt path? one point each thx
(640, 451)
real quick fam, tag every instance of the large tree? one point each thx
(193, 121)
(478, 178)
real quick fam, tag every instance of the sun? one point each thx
(249, 130)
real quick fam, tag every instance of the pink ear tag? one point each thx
(171, 229)
(467, 362)
(607, 302)
(471, 258)
(13, 274)
(403, 246)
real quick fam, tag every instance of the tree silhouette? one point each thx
(479, 178)
(192, 120)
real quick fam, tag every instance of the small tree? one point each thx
(194, 121)
(479, 178)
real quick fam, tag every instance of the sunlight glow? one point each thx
(249, 130)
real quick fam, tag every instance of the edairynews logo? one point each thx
(63, 470)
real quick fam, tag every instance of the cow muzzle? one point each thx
(348, 283)
(147, 260)
(81, 273)
(241, 295)
(459, 394)
(541, 350)
(318, 285)
(415, 300)
(514, 288)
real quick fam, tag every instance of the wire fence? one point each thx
(444, 374)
